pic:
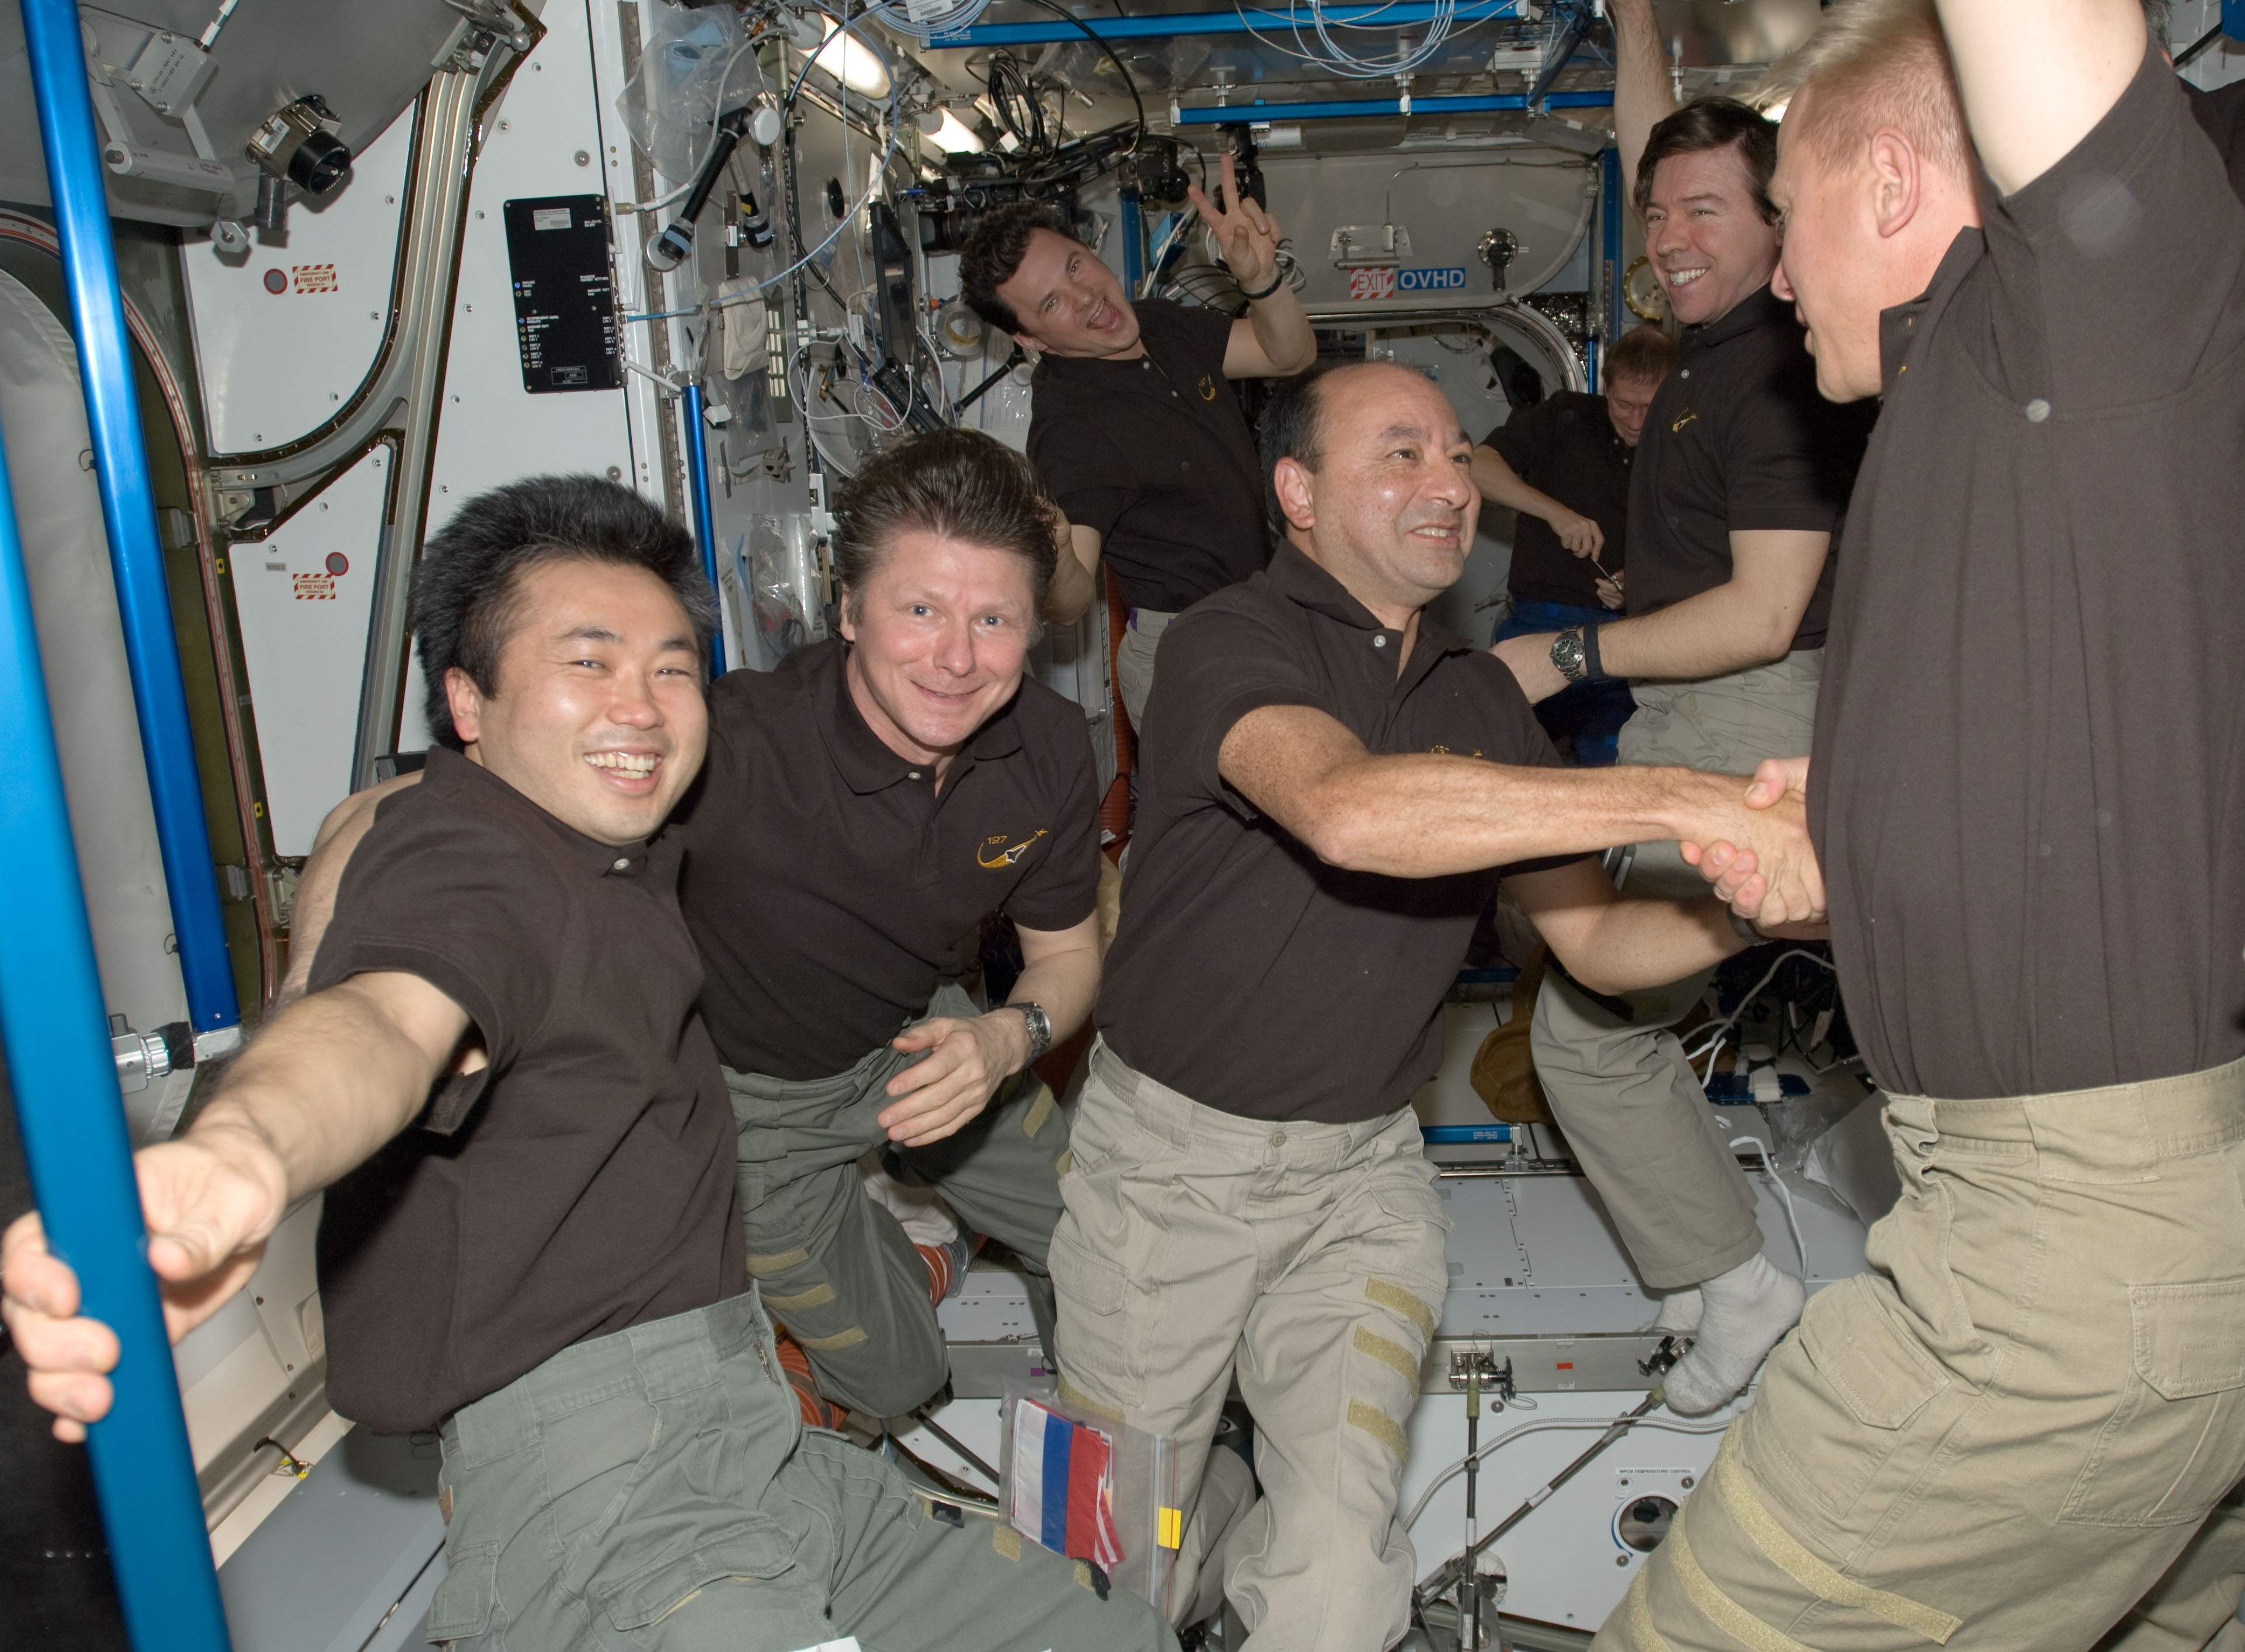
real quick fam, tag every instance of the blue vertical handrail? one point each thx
(56, 1035)
(128, 506)
(705, 522)
(1610, 240)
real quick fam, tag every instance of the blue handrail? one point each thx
(128, 506)
(1164, 26)
(56, 1034)
(705, 522)
(1610, 244)
(1248, 114)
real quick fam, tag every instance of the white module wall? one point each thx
(305, 594)
(543, 139)
(285, 334)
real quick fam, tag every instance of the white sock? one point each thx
(1680, 1313)
(1746, 1311)
(920, 1211)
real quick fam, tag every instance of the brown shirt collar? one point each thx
(1900, 327)
(458, 770)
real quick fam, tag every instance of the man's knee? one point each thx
(883, 1376)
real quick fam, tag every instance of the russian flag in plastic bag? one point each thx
(1061, 1495)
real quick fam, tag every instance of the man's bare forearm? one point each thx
(1414, 815)
(328, 1081)
(1644, 95)
(1282, 328)
(1501, 484)
(1718, 631)
(1061, 985)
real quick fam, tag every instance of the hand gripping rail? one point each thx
(64, 1079)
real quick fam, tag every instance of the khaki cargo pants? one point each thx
(1133, 661)
(834, 1267)
(654, 1490)
(1308, 1260)
(2002, 1436)
(1619, 1087)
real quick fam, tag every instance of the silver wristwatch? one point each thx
(1568, 656)
(1040, 1030)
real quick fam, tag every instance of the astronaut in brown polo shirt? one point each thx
(865, 805)
(531, 1242)
(1334, 787)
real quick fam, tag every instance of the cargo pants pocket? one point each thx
(1098, 1358)
(1838, 1398)
(2175, 1442)
(461, 1613)
(738, 1586)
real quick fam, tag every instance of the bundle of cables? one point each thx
(1050, 161)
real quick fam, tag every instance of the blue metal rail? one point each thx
(128, 506)
(1610, 244)
(705, 522)
(1257, 114)
(56, 1034)
(1162, 27)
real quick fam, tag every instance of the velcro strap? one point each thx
(1812, 1573)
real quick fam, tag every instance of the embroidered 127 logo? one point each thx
(994, 854)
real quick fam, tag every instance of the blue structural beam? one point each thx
(56, 1034)
(705, 522)
(1372, 108)
(128, 505)
(1162, 26)
(1611, 241)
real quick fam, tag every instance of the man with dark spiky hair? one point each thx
(1135, 431)
(1736, 489)
(865, 805)
(531, 1242)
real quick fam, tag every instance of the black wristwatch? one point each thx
(1569, 657)
(1040, 1030)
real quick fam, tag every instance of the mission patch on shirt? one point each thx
(2029, 792)
(1566, 445)
(1249, 973)
(829, 884)
(1157, 457)
(583, 1181)
(1737, 441)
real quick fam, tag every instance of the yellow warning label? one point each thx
(1173, 1528)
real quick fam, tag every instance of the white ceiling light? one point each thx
(850, 61)
(949, 133)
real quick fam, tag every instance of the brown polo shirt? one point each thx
(1155, 455)
(1566, 445)
(2029, 791)
(580, 1183)
(1738, 440)
(1249, 973)
(829, 883)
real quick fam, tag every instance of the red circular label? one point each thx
(338, 563)
(275, 281)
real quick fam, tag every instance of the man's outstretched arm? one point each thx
(1749, 620)
(1414, 816)
(1644, 95)
(327, 1082)
(2038, 75)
